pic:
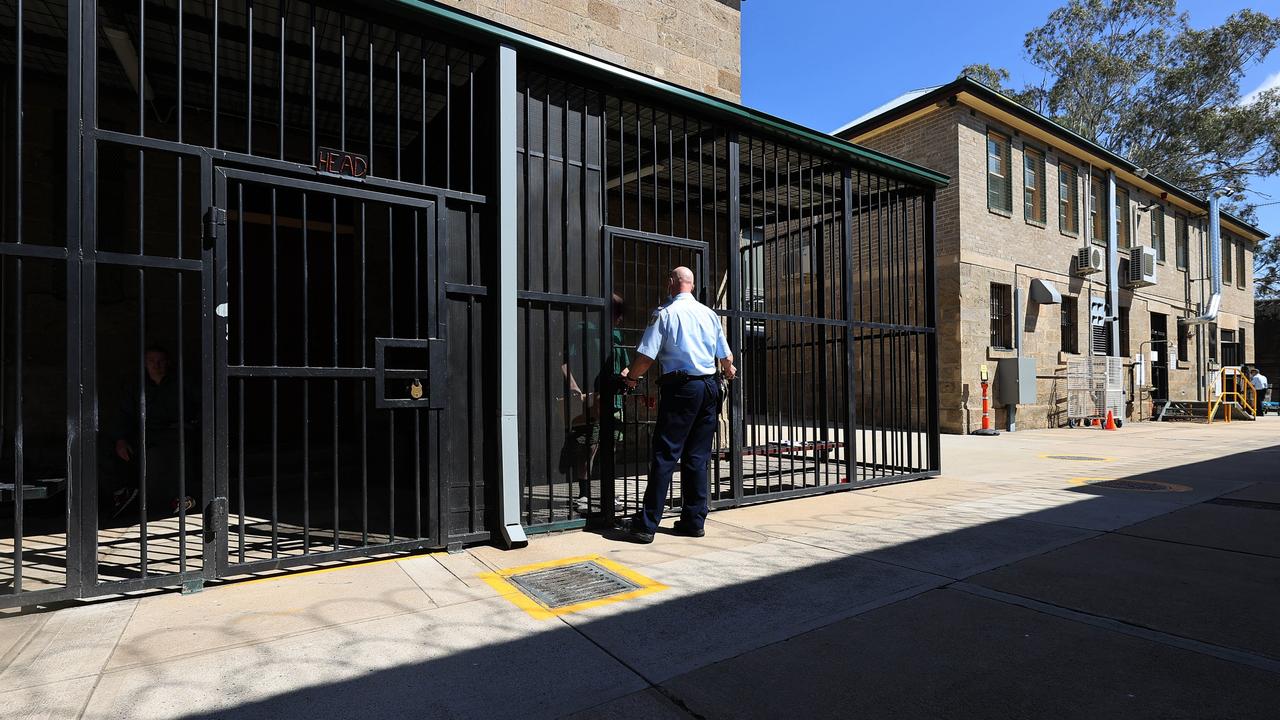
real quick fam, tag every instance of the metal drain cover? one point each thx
(571, 584)
(1075, 457)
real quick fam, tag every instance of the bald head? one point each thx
(680, 280)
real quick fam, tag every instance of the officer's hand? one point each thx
(730, 372)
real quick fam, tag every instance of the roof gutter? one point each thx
(1215, 266)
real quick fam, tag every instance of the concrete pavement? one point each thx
(1019, 584)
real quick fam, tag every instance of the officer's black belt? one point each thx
(679, 377)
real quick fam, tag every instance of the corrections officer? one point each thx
(686, 338)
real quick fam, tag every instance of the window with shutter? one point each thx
(1098, 210)
(999, 182)
(1157, 232)
(1033, 185)
(1068, 199)
(1182, 242)
(1123, 238)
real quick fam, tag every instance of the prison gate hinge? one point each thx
(215, 517)
(214, 218)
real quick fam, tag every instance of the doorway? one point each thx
(1160, 363)
(330, 372)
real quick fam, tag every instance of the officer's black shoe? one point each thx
(630, 533)
(687, 529)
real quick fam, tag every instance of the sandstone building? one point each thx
(1026, 196)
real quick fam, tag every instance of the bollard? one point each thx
(986, 405)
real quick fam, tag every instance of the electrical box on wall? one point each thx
(1016, 381)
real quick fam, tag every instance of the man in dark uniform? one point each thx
(163, 458)
(686, 338)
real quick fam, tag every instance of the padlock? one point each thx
(415, 390)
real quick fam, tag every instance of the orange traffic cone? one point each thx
(1111, 422)
(1097, 422)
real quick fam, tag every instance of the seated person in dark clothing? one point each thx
(163, 456)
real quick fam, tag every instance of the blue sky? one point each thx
(824, 62)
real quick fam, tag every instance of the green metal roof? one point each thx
(676, 93)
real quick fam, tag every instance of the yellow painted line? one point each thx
(499, 581)
(1155, 485)
(347, 565)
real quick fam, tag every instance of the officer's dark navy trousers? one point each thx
(686, 424)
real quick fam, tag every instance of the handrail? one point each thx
(1243, 394)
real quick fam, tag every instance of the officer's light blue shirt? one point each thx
(684, 334)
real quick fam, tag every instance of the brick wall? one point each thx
(694, 43)
(977, 247)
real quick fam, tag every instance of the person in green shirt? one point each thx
(585, 353)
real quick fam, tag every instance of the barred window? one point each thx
(1001, 316)
(1070, 312)
(1124, 333)
(999, 184)
(1182, 341)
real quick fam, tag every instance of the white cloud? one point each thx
(1270, 83)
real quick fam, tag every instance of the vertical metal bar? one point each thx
(847, 290)
(417, 414)
(19, 437)
(19, 477)
(448, 116)
(391, 330)
(364, 363)
(248, 77)
(312, 95)
(306, 357)
(217, 22)
(931, 320)
(735, 302)
(368, 28)
(284, 13)
(471, 122)
(397, 113)
(333, 233)
(142, 67)
(180, 350)
(422, 131)
(142, 416)
(275, 362)
(80, 484)
(342, 81)
(240, 381)
(181, 81)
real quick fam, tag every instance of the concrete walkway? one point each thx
(1017, 585)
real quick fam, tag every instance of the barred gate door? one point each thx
(639, 265)
(330, 372)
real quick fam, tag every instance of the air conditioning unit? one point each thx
(1090, 260)
(1142, 267)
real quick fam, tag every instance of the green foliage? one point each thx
(1136, 78)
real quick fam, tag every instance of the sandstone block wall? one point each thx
(977, 247)
(694, 43)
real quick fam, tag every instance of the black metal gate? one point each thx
(637, 266)
(330, 371)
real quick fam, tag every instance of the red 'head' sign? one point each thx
(339, 162)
